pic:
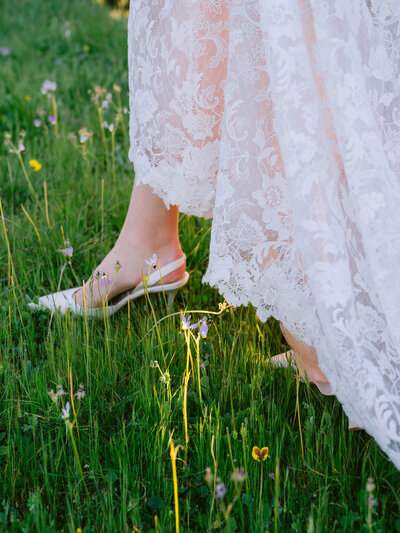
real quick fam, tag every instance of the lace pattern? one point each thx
(281, 120)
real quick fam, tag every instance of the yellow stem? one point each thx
(31, 221)
(173, 453)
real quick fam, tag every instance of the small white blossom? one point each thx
(152, 261)
(48, 86)
(65, 411)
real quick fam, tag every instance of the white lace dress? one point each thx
(281, 120)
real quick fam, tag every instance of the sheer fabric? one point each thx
(281, 120)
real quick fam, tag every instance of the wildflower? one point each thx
(125, 110)
(84, 135)
(239, 475)
(202, 366)
(78, 530)
(35, 165)
(53, 395)
(67, 251)
(67, 33)
(52, 119)
(81, 56)
(260, 455)
(186, 323)
(370, 485)
(372, 502)
(153, 364)
(57, 62)
(137, 528)
(28, 98)
(65, 411)
(86, 48)
(105, 104)
(48, 86)
(152, 261)
(4, 51)
(165, 378)
(204, 329)
(272, 475)
(105, 125)
(104, 280)
(222, 306)
(18, 150)
(72, 137)
(98, 92)
(220, 490)
(80, 393)
(37, 122)
(116, 88)
(60, 390)
(209, 476)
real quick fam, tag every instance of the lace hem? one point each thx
(171, 185)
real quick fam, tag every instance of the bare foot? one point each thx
(122, 269)
(306, 358)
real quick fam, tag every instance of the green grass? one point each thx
(128, 413)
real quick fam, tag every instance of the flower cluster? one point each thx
(48, 87)
(20, 145)
(84, 135)
(67, 251)
(56, 395)
(103, 279)
(187, 325)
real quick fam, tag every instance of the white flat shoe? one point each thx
(286, 359)
(63, 300)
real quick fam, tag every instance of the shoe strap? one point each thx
(162, 272)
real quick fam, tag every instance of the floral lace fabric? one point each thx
(281, 120)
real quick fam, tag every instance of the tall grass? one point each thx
(110, 466)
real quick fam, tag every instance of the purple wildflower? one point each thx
(65, 411)
(67, 252)
(220, 490)
(37, 122)
(272, 475)
(152, 261)
(4, 51)
(103, 279)
(48, 86)
(67, 33)
(57, 62)
(204, 329)
(52, 119)
(81, 56)
(186, 322)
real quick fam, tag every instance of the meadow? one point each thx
(161, 423)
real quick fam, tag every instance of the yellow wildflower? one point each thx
(28, 98)
(260, 455)
(35, 165)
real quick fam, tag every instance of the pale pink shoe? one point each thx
(63, 300)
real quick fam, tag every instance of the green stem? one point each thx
(70, 427)
(261, 490)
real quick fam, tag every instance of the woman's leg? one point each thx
(306, 356)
(149, 228)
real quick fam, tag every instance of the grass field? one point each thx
(109, 466)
